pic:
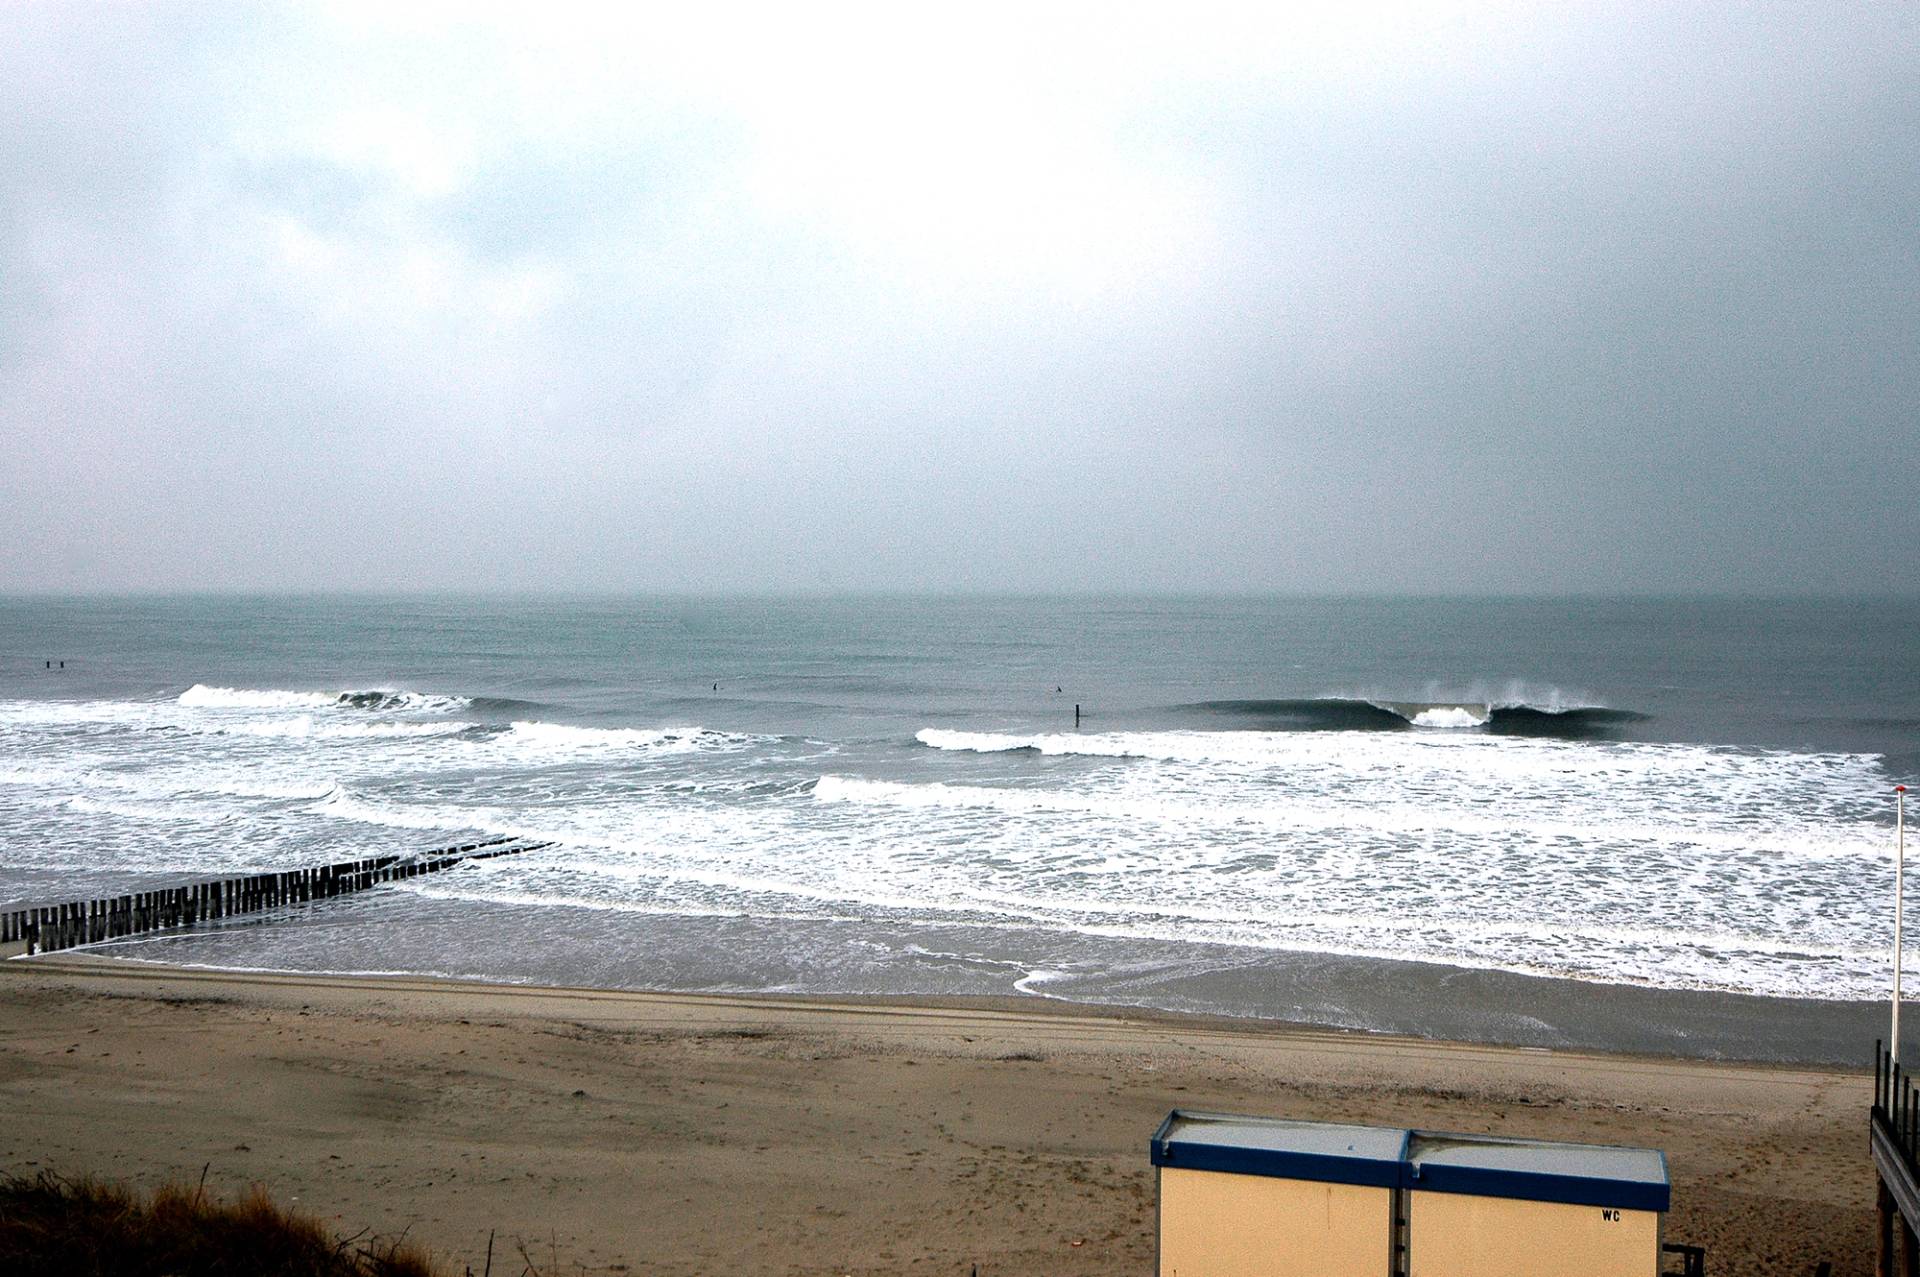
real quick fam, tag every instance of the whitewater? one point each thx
(868, 810)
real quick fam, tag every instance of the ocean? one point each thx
(1650, 824)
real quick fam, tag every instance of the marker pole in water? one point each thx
(1899, 873)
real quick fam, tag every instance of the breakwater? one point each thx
(79, 922)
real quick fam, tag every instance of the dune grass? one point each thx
(55, 1227)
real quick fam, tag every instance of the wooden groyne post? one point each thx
(46, 928)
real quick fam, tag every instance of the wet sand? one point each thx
(559, 945)
(678, 1134)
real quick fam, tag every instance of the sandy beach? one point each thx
(649, 1133)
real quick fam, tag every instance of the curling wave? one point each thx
(1548, 716)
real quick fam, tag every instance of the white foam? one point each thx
(1034, 982)
(200, 696)
(343, 804)
(406, 702)
(1355, 819)
(1677, 865)
(657, 740)
(850, 789)
(165, 783)
(308, 727)
(1452, 717)
(399, 700)
(32, 714)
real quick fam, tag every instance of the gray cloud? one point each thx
(1619, 299)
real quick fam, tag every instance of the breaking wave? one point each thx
(201, 696)
(1544, 716)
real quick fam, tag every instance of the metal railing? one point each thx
(1896, 1106)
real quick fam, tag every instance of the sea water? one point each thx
(1182, 802)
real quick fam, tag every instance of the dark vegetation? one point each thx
(54, 1227)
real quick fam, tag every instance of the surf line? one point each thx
(81, 922)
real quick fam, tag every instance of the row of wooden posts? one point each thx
(79, 922)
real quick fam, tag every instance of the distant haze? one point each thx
(1428, 297)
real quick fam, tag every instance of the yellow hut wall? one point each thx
(1219, 1225)
(1459, 1235)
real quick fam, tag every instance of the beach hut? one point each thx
(1262, 1197)
(1485, 1206)
(1258, 1197)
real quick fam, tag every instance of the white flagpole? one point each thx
(1899, 871)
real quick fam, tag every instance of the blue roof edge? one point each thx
(1571, 1190)
(1318, 1167)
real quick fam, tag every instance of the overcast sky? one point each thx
(1431, 297)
